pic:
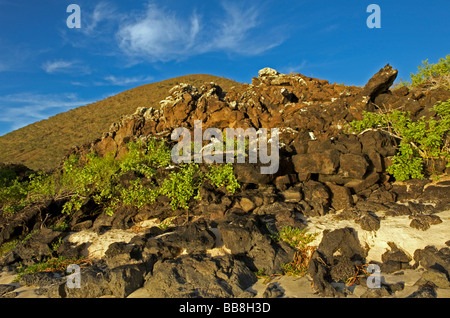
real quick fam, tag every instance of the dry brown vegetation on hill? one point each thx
(43, 144)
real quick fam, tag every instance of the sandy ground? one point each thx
(392, 229)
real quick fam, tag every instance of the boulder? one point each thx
(341, 197)
(199, 276)
(325, 162)
(242, 236)
(380, 82)
(334, 260)
(353, 165)
(317, 197)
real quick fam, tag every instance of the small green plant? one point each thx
(99, 179)
(52, 264)
(296, 237)
(182, 185)
(8, 246)
(300, 240)
(421, 141)
(435, 74)
(137, 194)
(223, 176)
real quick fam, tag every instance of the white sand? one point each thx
(392, 229)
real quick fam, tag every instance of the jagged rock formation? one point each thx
(323, 171)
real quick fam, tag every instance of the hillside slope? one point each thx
(43, 144)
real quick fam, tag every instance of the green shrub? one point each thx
(7, 177)
(223, 176)
(12, 197)
(183, 185)
(145, 158)
(420, 141)
(137, 194)
(95, 178)
(98, 178)
(438, 73)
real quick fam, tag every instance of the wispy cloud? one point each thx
(125, 81)
(296, 68)
(21, 109)
(161, 35)
(65, 67)
(102, 13)
(57, 66)
(112, 80)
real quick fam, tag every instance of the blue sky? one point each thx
(47, 68)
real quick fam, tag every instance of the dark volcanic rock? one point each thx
(194, 237)
(199, 276)
(251, 173)
(317, 196)
(334, 259)
(97, 282)
(325, 162)
(29, 218)
(243, 236)
(430, 257)
(423, 222)
(395, 259)
(353, 165)
(435, 277)
(380, 82)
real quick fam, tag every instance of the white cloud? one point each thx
(65, 67)
(57, 66)
(103, 12)
(124, 81)
(25, 108)
(160, 35)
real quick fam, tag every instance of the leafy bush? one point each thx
(420, 141)
(223, 176)
(438, 73)
(300, 240)
(183, 185)
(11, 197)
(98, 178)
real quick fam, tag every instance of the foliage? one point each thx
(144, 158)
(52, 264)
(183, 185)
(421, 140)
(9, 246)
(99, 179)
(295, 237)
(432, 73)
(11, 197)
(223, 176)
(300, 240)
